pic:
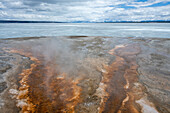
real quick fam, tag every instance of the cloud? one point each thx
(1, 5)
(146, 3)
(85, 10)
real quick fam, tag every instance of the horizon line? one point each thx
(37, 21)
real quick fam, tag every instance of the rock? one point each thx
(3, 86)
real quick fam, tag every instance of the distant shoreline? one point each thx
(17, 21)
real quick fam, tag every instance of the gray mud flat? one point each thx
(84, 75)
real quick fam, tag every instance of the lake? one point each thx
(148, 30)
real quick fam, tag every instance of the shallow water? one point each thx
(151, 30)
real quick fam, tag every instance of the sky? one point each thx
(85, 10)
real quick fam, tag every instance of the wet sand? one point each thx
(85, 75)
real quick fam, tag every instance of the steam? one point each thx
(57, 52)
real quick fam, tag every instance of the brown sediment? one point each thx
(131, 75)
(118, 81)
(45, 89)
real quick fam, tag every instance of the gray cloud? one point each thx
(59, 2)
(83, 10)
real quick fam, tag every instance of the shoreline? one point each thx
(81, 36)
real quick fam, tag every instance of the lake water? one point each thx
(155, 30)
